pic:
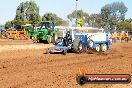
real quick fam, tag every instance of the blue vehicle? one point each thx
(62, 45)
(60, 48)
(82, 42)
(97, 41)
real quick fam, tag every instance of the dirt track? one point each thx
(15, 42)
(11, 45)
(34, 69)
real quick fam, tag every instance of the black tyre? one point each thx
(97, 48)
(77, 45)
(64, 52)
(81, 80)
(90, 43)
(104, 47)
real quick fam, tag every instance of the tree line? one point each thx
(110, 17)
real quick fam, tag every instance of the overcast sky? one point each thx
(60, 7)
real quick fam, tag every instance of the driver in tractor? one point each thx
(60, 39)
(48, 26)
(67, 39)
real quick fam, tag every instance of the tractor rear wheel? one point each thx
(77, 45)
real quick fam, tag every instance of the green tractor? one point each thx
(46, 32)
(30, 30)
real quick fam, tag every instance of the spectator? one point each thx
(112, 37)
(126, 37)
(115, 37)
(122, 36)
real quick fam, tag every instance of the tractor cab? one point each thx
(45, 32)
(48, 26)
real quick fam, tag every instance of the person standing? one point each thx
(113, 38)
(126, 37)
(110, 38)
(121, 37)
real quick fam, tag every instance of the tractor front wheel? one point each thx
(35, 39)
(77, 46)
(64, 52)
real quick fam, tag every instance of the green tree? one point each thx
(62, 23)
(8, 24)
(27, 12)
(54, 18)
(129, 20)
(125, 25)
(79, 14)
(95, 20)
(1, 26)
(113, 13)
